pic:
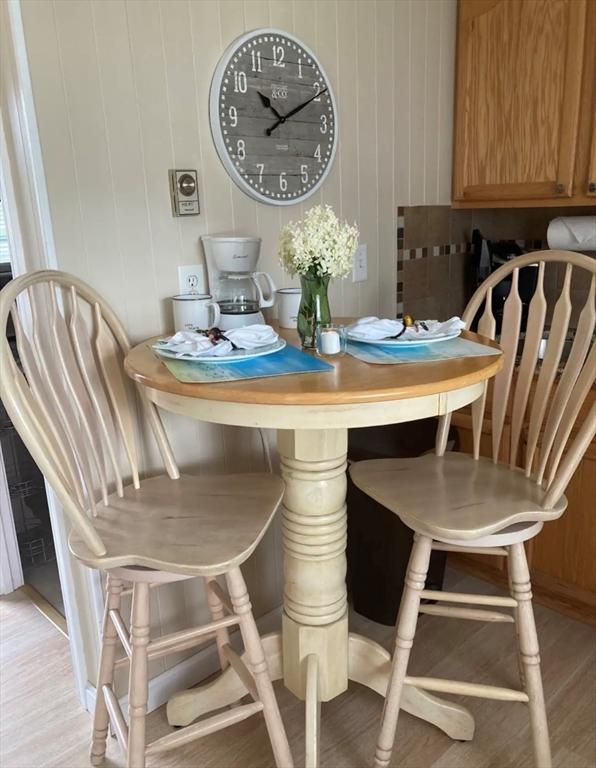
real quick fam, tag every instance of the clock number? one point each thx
(304, 174)
(233, 115)
(278, 56)
(260, 168)
(283, 184)
(240, 149)
(300, 68)
(317, 86)
(256, 61)
(323, 127)
(240, 83)
(318, 153)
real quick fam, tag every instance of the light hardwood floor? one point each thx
(42, 724)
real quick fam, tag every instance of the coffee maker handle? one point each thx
(264, 302)
(213, 305)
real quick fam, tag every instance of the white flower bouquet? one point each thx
(317, 248)
(318, 245)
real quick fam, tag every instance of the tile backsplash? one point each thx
(435, 278)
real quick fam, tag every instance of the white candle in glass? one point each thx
(330, 344)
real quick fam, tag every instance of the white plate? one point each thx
(406, 342)
(235, 356)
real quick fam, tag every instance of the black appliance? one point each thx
(379, 544)
(28, 498)
(489, 255)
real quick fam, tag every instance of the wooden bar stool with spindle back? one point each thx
(460, 503)
(71, 405)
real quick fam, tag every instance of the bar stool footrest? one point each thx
(204, 728)
(471, 614)
(462, 597)
(460, 688)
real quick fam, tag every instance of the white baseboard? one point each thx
(189, 672)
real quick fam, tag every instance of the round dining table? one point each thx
(315, 654)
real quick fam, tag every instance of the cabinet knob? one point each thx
(592, 186)
(560, 189)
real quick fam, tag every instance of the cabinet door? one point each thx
(519, 74)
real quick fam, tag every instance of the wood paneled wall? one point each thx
(121, 92)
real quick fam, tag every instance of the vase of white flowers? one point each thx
(317, 248)
(314, 307)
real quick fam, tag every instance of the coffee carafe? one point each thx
(240, 290)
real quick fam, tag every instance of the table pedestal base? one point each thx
(368, 664)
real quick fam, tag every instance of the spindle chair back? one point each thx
(549, 408)
(68, 396)
(459, 503)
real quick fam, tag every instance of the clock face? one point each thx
(273, 117)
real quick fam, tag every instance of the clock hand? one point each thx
(301, 106)
(268, 105)
(294, 111)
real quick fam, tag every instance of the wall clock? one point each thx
(273, 117)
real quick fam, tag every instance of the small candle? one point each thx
(330, 342)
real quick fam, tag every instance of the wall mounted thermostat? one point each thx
(184, 191)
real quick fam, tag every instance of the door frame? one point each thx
(31, 246)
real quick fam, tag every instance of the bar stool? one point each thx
(71, 404)
(460, 503)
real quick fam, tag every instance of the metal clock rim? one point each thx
(215, 124)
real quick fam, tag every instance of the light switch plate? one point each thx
(360, 268)
(184, 193)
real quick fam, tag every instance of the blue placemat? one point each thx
(286, 361)
(429, 353)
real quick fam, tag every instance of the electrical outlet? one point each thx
(189, 278)
(360, 268)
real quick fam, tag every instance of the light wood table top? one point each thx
(352, 381)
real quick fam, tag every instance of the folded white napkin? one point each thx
(193, 344)
(252, 336)
(375, 329)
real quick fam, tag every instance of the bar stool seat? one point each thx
(454, 496)
(194, 525)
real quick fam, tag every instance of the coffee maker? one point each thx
(234, 281)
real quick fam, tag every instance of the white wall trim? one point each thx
(189, 672)
(27, 202)
(72, 613)
(31, 246)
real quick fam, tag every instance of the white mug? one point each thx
(192, 310)
(288, 303)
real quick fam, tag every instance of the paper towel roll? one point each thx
(572, 233)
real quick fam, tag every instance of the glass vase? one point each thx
(314, 308)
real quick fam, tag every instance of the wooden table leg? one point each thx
(226, 689)
(370, 665)
(313, 466)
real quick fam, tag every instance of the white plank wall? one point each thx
(121, 93)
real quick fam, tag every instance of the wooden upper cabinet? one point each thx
(520, 91)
